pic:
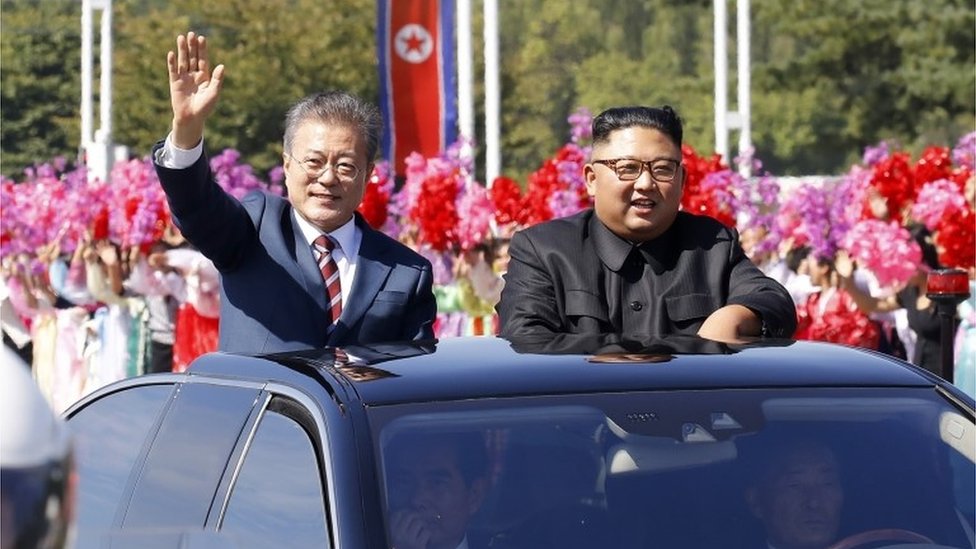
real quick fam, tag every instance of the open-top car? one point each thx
(564, 442)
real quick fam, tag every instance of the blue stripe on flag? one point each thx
(448, 72)
(386, 86)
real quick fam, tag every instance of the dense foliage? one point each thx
(829, 77)
(40, 84)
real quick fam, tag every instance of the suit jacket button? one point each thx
(636, 305)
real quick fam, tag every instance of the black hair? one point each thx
(923, 236)
(663, 119)
(795, 257)
(494, 248)
(469, 447)
(765, 457)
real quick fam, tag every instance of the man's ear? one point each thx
(476, 495)
(589, 176)
(752, 501)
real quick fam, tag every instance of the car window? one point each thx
(189, 456)
(122, 420)
(277, 500)
(719, 468)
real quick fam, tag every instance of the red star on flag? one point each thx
(414, 42)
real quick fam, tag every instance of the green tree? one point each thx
(672, 64)
(274, 54)
(598, 54)
(542, 45)
(833, 76)
(40, 84)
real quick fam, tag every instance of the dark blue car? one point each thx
(564, 442)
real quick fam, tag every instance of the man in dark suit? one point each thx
(303, 272)
(635, 264)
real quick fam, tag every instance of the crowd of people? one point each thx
(101, 313)
(625, 230)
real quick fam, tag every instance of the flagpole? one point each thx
(87, 70)
(492, 94)
(721, 79)
(465, 80)
(742, 37)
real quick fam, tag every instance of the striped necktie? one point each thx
(323, 246)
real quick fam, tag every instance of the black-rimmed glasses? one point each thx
(315, 168)
(662, 170)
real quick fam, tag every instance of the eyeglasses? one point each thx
(662, 170)
(315, 168)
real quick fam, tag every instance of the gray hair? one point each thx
(336, 107)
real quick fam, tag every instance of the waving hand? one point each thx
(193, 89)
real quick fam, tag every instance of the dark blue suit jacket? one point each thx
(272, 293)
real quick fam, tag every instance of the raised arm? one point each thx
(214, 221)
(844, 267)
(193, 89)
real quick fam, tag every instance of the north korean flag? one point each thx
(418, 85)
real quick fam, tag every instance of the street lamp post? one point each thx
(947, 288)
(96, 145)
(740, 119)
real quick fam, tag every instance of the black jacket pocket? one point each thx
(682, 308)
(583, 303)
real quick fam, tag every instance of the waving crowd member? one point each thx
(634, 263)
(163, 288)
(920, 310)
(272, 252)
(831, 314)
(198, 315)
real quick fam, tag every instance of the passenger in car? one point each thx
(797, 494)
(436, 482)
(635, 263)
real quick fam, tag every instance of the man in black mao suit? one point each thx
(274, 296)
(635, 264)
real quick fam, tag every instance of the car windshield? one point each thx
(716, 468)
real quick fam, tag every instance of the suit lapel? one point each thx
(371, 272)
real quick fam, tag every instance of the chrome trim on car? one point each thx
(240, 454)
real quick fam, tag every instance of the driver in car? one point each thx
(798, 496)
(437, 483)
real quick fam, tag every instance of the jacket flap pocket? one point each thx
(392, 296)
(583, 303)
(690, 306)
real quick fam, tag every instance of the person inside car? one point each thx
(798, 496)
(437, 482)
